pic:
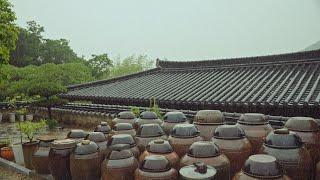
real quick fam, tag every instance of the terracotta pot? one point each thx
(147, 133)
(120, 164)
(256, 128)
(104, 128)
(124, 139)
(287, 148)
(182, 136)
(147, 117)
(100, 139)
(198, 171)
(155, 167)
(40, 158)
(318, 171)
(123, 128)
(7, 153)
(124, 117)
(171, 119)
(77, 134)
(28, 149)
(207, 121)
(161, 147)
(262, 167)
(85, 161)
(208, 153)
(59, 158)
(232, 142)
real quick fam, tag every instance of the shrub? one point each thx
(31, 128)
(52, 123)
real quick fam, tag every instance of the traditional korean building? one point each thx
(284, 84)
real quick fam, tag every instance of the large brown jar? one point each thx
(208, 153)
(123, 128)
(171, 119)
(198, 171)
(232, 142)
(100, 139)
(104, 128)
(85, 161)
(161, 147)
(207, 121)
(147, 117)
(261, 167)
(124, 117)
(40, 159)
(287, 148)
(77, 134)
(155, 167)
(124, 139)
(182, 136)
(147, 133)
(120, 164)
(256, 128)
(59, 158)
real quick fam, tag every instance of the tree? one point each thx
(100, 65)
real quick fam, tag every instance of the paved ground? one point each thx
(6, 174)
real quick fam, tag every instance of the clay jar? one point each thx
(104, 128)
(287, 148)
(318, 171)
(123, 128)
(256, 128)
(147, 117)
(85, 161)
(124, 139)
(100, 139)
(7, 153)
(208, 153)
(182, 136)
(28, 149)
(232, 142)
(147, 133)
(207, 121)
(40, 159)
(124, 117)
(261, 166)
(59, 158)
(161, 147)
(77, 134)
(198, 171)
(170, 119)
(120, 164)
(155, 167)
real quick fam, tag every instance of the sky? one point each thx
(178, 30)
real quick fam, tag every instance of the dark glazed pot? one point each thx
(77, 134)
(318, 171)
(171, 119)
(207, 121)
(208, 153)
(120, 164)
(123, 128)
(261, 167)
(59, 158)
(198, 171)
(155, 167)
(147, 117)
(29, 148)
(100, 139)
(232, 142)
(85, 161)
(124, 139)
(287, 148)
(256, 128)
(182, 136)
(104, 128)
(147, 133)
(40, 159)
(161, 147)
(124, 117)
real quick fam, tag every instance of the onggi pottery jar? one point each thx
(104, 128)
(28, 149)
(207, 121)
(161, 147)
(182, 136)
(147, 117)
(233, 143)
(100, 139)
(77, 134)
(120, 164)
(170, 119)
(124, 139)
(147, 133)
(7, 153)
(85, 161)
(208, 153)
(40, 159)
(124, 117)
(123, 128)
(59, 158)
(261, 167)
(287, 148)
(155, 167)
(256, 128)
(198, 171)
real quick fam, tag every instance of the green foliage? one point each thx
(31, 128)
(22, 111)
(155, 108)
(52, 123)
(135, 110)
(100, 65)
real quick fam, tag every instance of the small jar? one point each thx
(104, 128)
(77, 134)
(171, 119)
(147, 117)
(40, 159)
(198, 171)
(207, 121)
(124, 117)
(147, 133)
(100, 139)
(123, 128)
(124, 139)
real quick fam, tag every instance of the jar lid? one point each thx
(96, 137)
(262, 166)
(283, 139)
(198, 171)
(229, 132)
(121, 139)
(86, 147)
(174, 117)
(126, 115)
(122, 126)
(203, 149)
(159, 146)
(148, 115)
(185, 131)
(76, 133)
(155, 163)
(304, 124)
(150, 130)
(253, 119)
(103, 127)
(46, 138)
(63, 144)
(209, 117)
(120, 151)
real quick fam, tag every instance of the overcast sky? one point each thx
(177, 29)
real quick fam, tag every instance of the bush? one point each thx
(52, 123)
(135, 110)
(31, 128)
